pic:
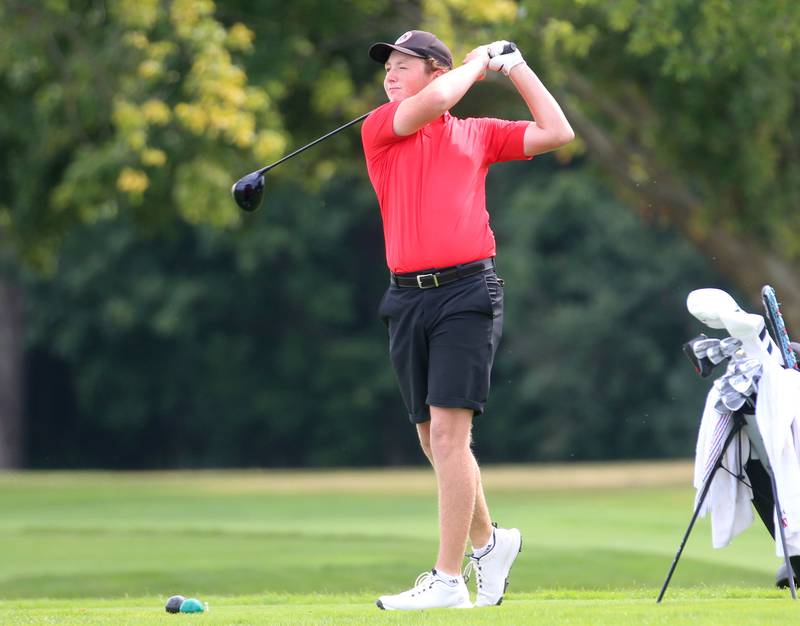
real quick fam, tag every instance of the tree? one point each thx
(207, 347)
(128, 106)
(689, 109)
(150, 109)
(202, 347)
(145, 109)
(590, 366)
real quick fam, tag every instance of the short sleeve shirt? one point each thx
(431, 185)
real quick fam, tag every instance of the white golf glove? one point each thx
(504, 55)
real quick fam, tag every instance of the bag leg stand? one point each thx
(748, 423)
(738, 423)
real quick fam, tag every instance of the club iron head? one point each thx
(730, 346)
(751, 368)
(248, 191)
(714, 354)
(701, 346)
(702, 364)
(731, 402)
(742, 384)
(717, 350)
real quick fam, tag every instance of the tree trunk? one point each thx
(11, 374)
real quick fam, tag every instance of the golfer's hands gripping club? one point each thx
(504, 56)
(481, 55)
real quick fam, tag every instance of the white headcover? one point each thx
(717, 309)
(707, 305)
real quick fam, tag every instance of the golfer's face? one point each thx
(405, 76)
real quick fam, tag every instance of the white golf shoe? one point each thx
(430, 591)
(491, 567)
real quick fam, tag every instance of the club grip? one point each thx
(507, 49)
(775, 319)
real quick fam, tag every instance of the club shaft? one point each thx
(313, 143)
(778, 326)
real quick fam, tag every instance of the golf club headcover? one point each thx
(504, 56)
(707, 305)
(717, 309)
(752, 331)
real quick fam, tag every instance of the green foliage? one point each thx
(702, 89)
(262, 347)
(216, 348)
(590, 365)
(177, 331)
(130, 107)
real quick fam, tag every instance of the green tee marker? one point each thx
(191, 605)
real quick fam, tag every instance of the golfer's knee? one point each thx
(448, 437)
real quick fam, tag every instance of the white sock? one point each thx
(479, 552)
(450, 579)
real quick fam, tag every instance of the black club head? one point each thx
(248, 191)
(703, 366)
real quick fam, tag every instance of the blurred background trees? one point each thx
(144, 322)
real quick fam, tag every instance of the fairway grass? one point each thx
(318, 547)
(707, 606)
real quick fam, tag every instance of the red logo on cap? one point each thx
(404, 37)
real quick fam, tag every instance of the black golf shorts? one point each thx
(442, 342)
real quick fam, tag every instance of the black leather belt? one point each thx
(437, 278)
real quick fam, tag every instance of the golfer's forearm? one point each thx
(451, 86)
(437, 97)
(543, 106)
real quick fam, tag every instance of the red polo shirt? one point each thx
(431, 186)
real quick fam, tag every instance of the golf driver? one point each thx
(248, 191)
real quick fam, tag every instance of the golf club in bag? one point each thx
(777, 326)
(704, 356)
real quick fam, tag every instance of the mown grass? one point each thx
(318, 547)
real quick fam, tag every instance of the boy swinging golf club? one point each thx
(444, 306)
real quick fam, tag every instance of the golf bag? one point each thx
(740, 433)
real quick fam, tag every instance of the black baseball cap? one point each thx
(417, 43)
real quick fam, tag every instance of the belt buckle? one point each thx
(426, 276)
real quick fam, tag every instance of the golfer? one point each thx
(444, 305)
